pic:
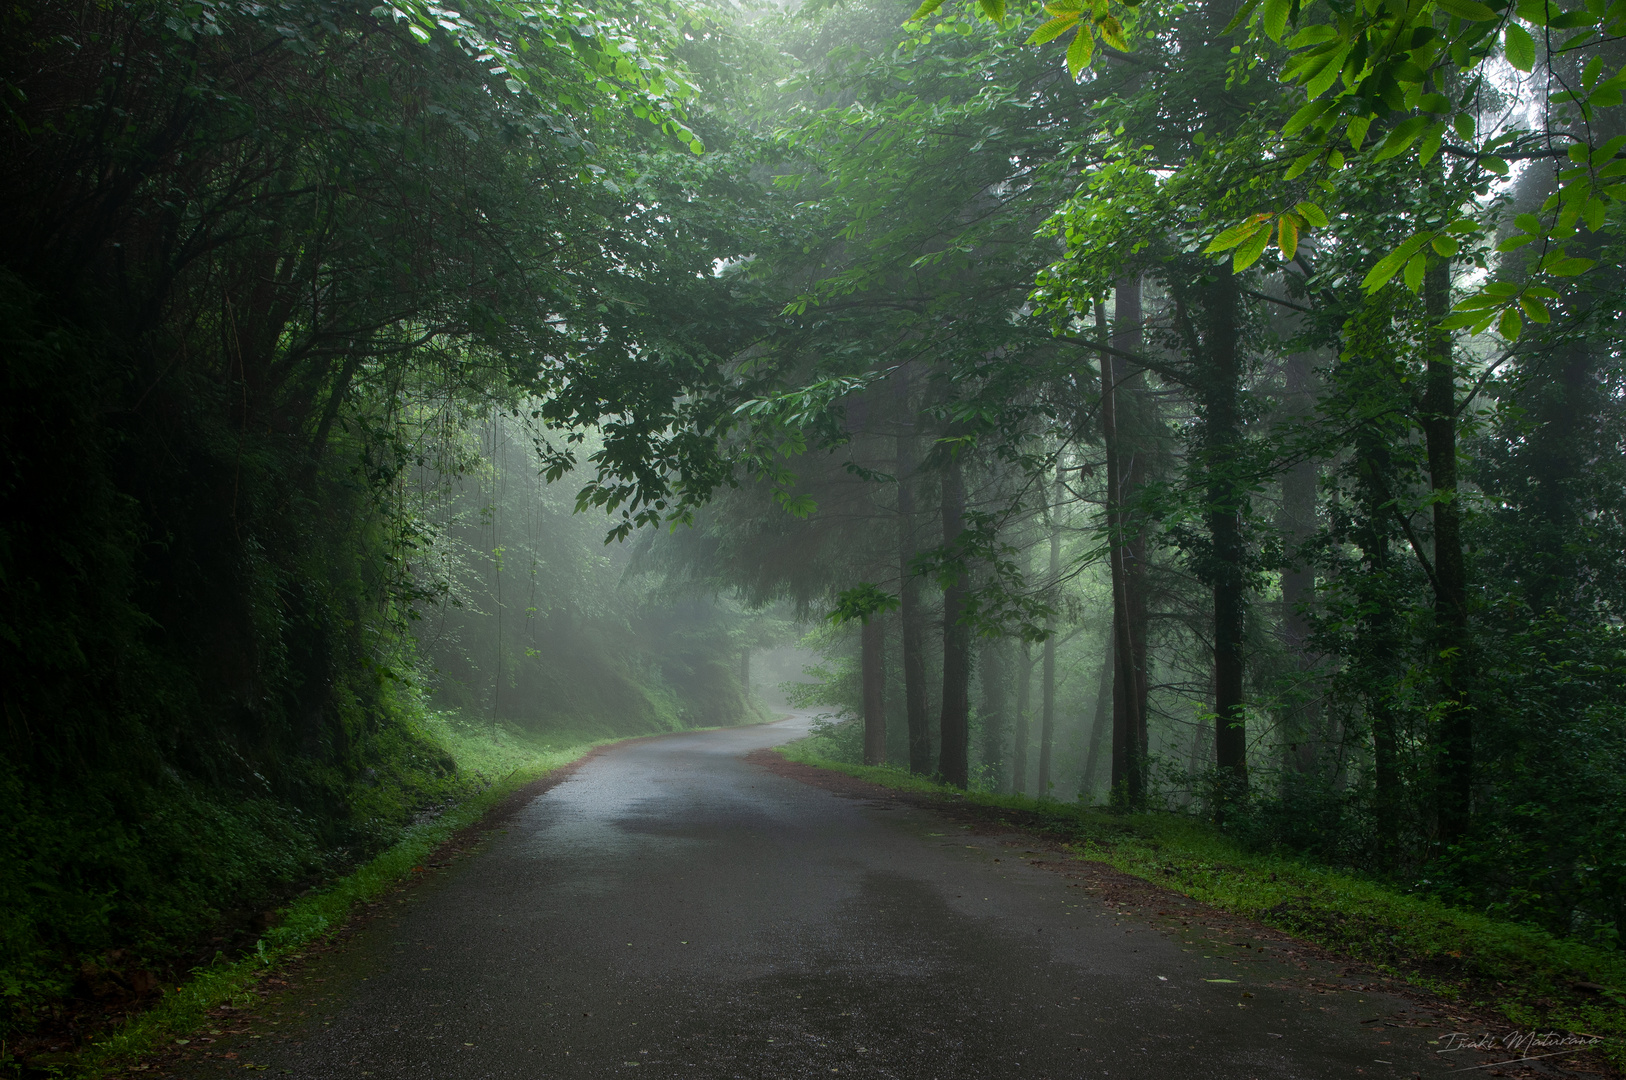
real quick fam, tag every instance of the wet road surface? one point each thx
(673, 910)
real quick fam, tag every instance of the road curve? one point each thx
(673, 910)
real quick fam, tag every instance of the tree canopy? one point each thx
(1204, 408)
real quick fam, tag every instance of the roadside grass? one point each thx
(497, 760)
(1537, 981)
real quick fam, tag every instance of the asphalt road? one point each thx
(672, 909)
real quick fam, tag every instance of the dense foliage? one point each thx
(1212, 407)
(263, 267)
(1326, 461)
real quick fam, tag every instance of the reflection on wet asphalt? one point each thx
(673, 909)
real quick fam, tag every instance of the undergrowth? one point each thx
(493, 761)
(1534, 979)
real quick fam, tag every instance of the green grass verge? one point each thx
(497, 760)
(1526, 974)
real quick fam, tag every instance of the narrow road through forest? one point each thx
(673, 909)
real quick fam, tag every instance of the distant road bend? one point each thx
(673, 909)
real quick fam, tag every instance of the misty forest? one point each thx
(1191, 423)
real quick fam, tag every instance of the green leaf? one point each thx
(1445, 246)
(1242, 15)
(1306, 63)
(1080, 51)
(1249, 253)
(1321, 81)
(1535, 12)
(1301, 163)
(1590, 73)
(862, 601)
(926, 8)
(1608, 150)
(1388, 266)
(1112, 32)
(1358, 126)
(1233, 236)
(1510, 324)
(1431, 143)
(1535, 309)
(1306, 115)
(1275, 19)
(1053, 29)
(1463, 124)
(994, 9)
(1467, 10)
(1312, 213)
(1568, 266)
(1401, 138)
(1287, 236)
(1313, 35)
(1519, 47)
(1415, 266)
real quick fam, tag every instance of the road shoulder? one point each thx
(1505, 1050)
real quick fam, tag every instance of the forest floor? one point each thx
(692, 905)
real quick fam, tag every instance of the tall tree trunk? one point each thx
(873, 649)
(1222, 424)
(1047, 723)
(1439, 416)
(994, 700)
(1135, 442)
(1019, 749)
(1296, 524)
(1202, 749)
(1380, 710)
(1047, 715)
(954, 722)
(745, 670)
(1126, 472)
(1103, 717)
(913, 637)
(1374, 663)
(897, 713)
